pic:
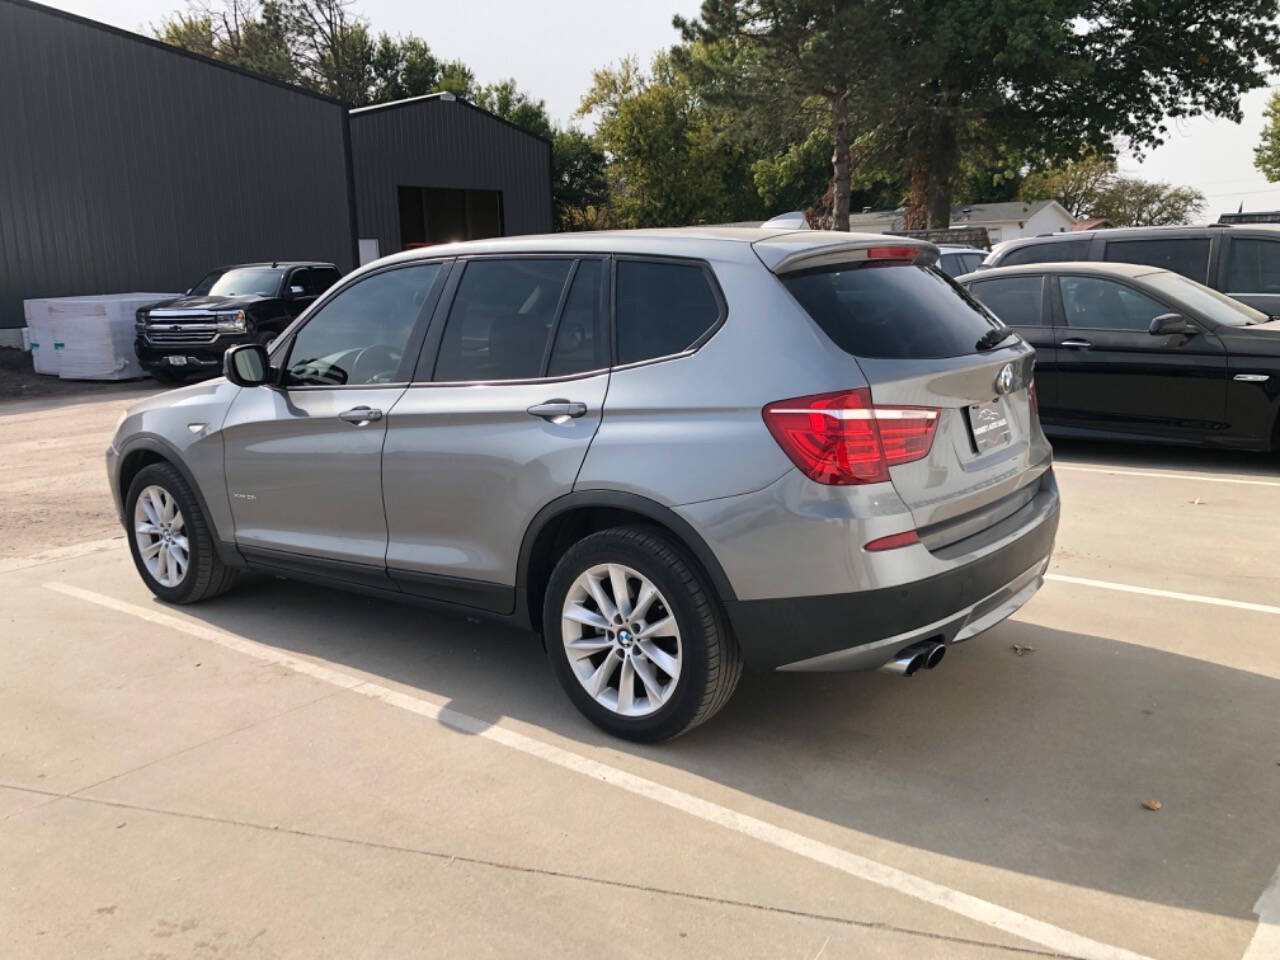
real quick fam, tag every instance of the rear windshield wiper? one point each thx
(993, 338)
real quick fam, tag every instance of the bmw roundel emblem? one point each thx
(1004, 379)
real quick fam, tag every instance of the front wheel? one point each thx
(170, 538)
(636, 637)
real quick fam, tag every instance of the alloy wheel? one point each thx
(160, 532)
(621, 639)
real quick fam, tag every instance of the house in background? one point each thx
(1002, 221)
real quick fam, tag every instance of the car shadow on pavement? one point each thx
(1036, 763)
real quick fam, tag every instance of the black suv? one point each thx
(249, 303)
(1241, 261)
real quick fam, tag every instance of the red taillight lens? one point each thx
(843, 438)
(1034, 398)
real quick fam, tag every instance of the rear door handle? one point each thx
(1076, 344)
(360, 415)
(558, 410)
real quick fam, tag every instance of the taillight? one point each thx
(893, 253)
(1034, 398)
(893, 541)
(843, 438)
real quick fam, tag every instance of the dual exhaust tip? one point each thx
(919, 656)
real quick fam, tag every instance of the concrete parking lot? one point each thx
(292, 772)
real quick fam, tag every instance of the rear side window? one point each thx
(582, 339)
(1056, 252)
(891, 312)
(1188, 256)
(662, 308)
(1253, 266)
(501, 320)
(1018, 301)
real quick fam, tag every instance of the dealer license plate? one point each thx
(990, 425)
(177, 361)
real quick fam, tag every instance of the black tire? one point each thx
(712, 662)
(206, 575)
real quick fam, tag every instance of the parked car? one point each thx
(673, 453)
(1139, 353)
(955, 260)
(1241, 261)
(249, 303)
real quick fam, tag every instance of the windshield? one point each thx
(1213, 305)
(240, 282)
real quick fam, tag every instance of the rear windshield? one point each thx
(893, 311)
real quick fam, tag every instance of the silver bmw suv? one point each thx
(672, 453)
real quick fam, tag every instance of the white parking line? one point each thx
(1265, 944)
(982, 911)
(1166, 594)
(63, 553)
(1164, 475)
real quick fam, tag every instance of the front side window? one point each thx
(1017, 301)
(1253, 266)
(1098, 304)
(359, 337)
(1218, 307)
(1188, 256)
(663, 308)
(1059, 251)
(501, 320)
(321, 279)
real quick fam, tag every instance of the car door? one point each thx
(1022, 302)
(303, 457)
(504, 405)
(1115, 375)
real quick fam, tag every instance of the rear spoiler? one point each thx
(808, 249)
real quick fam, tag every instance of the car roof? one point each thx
(1136, 233)
(775, 246)
(1099, 268)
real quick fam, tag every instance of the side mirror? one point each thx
(246, 365)
(1168, 324)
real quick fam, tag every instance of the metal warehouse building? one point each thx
(127, 164)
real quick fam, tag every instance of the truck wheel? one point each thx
(170, 539)
(636, 636)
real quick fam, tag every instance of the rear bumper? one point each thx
(864, 629)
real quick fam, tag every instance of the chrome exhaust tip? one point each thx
(933, 656)
(905, 663)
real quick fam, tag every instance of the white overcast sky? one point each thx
(552, 46)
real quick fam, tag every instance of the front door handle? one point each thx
(360, 415)
(558, 410)
(1076, 344)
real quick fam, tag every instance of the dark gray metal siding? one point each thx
(125, 165)
(443, 143)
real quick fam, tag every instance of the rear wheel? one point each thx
(636, 637)
(170, 538)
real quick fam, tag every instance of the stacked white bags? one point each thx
(87, 338)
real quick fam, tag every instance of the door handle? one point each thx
(558, 410)
(1076, 344)
(360, 415)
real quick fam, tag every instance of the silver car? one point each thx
(672, 453)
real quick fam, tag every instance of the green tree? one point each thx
(671, 159)
(1091, 187)
(1266, 155)
(511, 103)
(403, 67)
(457, 78)
(332, 48)
(579, 187)
(241, 32)
(938, 80)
